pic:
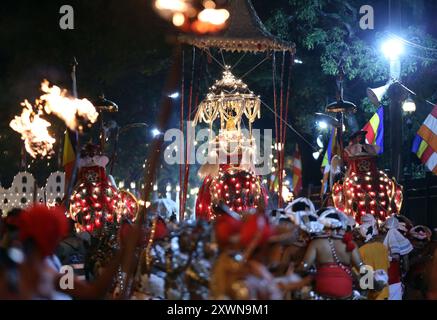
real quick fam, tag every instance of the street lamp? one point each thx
(322, 125)
(392, 48)
(298, 61)
(409, 106)
(174, 95)
(155, 132)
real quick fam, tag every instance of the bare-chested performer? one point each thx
(333, 254)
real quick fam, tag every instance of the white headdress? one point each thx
(394, 240)
(302, 213)
(368, 227)
(333, 219)
(421, 232)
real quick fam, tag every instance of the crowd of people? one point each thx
(293, 253)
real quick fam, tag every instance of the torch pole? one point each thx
(76, 135)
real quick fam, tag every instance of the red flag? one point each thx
(297, 171)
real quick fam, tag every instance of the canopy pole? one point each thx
(287, 100)
(281, 142)
(182, 145)
(190, 103)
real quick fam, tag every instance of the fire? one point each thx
(34, 131)
(57, 101)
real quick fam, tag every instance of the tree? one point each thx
(327, 34)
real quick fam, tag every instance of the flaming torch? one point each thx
(34, 129)
(69, 109)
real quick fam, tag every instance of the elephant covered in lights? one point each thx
(365, 189)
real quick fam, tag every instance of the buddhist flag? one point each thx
(425, 143)
(333, 149)
(69, 154)
(375, 130)
(297, 171)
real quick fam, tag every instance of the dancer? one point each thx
(333, 255)
(399, 247)
(374, 254)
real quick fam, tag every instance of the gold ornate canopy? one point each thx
(229, 98)
(245, 33)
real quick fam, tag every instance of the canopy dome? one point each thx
(245, 33)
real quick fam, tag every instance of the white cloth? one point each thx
(381, 276)
(306, 220)
(395, 291)
(368, 221)
(394, 240)
(307, 202)
(332, 218)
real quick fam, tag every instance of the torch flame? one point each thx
(33, 130)
(56, 101)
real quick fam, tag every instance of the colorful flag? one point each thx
(297, 171)
(69, 154)
(333, 149)
(375, 130)
(274, 182)
(425, 143)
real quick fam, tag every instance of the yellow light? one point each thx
(214, 16)
(178, 19)
(172, 5)
(209, 4)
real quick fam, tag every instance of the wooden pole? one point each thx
(76, 134)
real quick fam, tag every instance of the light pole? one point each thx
(393, 49)
(397, 96)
